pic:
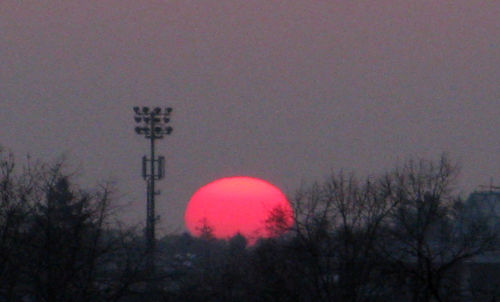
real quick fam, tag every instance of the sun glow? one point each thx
(233, 205)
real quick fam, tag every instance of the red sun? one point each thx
(249, 206)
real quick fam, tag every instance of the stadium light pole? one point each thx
(152, 123)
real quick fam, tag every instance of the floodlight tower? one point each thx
(152, 123)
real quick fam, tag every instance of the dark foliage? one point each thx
(402, 236)
(56, 243)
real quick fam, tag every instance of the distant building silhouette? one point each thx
(485, 205)
(481, 275)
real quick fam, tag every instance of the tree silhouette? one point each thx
(428, 238)
(56, 241)
(206, 231)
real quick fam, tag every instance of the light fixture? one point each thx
(152, 126)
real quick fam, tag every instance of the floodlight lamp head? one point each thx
(158, 129)
(147, 119)
(137, 110)
(168, 110)
(168, 130)
(138, 130)
(157, 110)
(138, 119)
(156, 119)
(145, 110)
(166, 120)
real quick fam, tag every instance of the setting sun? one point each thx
(233, 205)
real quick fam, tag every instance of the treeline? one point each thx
(57, 241)
(401, 236)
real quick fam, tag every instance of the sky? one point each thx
(286, 91)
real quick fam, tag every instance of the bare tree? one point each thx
(56, 239)
(396, 233)
(338, 224)
(427, 239)
(13, 219)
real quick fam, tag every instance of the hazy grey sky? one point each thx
(281, 90)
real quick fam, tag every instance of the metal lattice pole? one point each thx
(152, 124)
